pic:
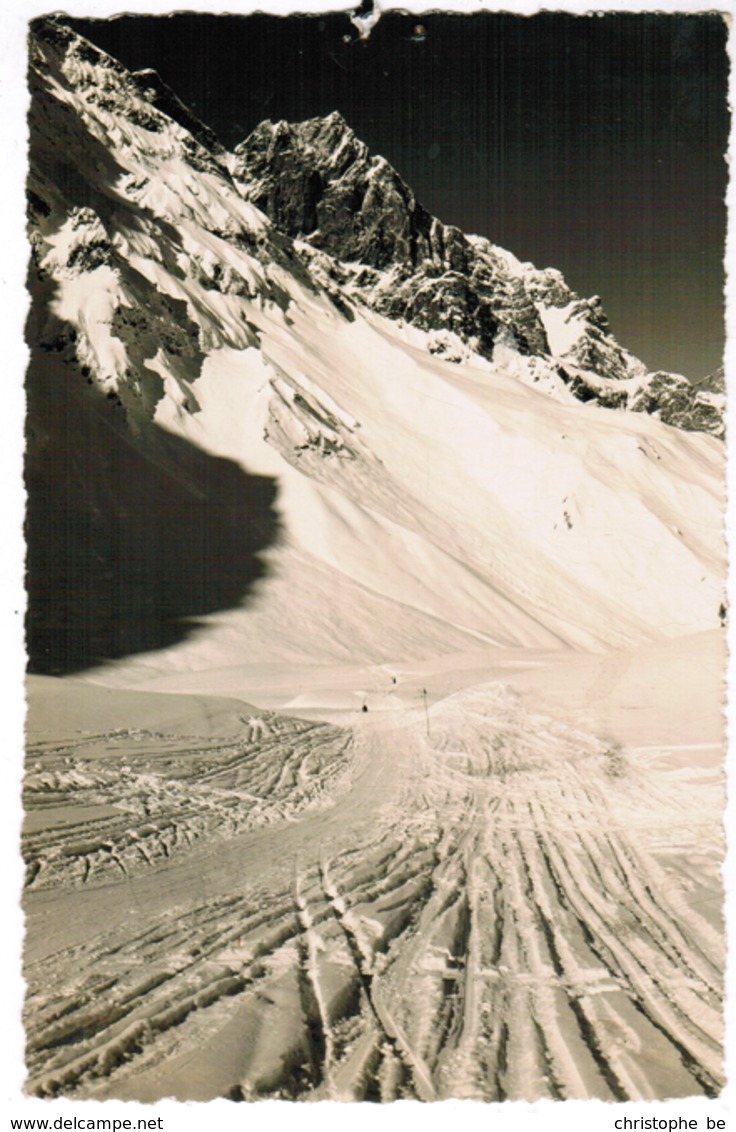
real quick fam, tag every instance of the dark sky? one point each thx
(594, 144)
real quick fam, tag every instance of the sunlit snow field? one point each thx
(427, 803)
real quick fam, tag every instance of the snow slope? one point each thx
(480, 901)
(445, 503)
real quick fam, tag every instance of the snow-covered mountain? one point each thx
(277, 411)
(293, 441)
(319, 183)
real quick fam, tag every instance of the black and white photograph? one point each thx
(376, 540)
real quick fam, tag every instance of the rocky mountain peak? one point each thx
(163, 299)
(141, 100)
(320, 184)
(159, 94)
(317, 181)
(342, 217)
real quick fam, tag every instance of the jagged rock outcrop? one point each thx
(319, 183)
(342, 222)
(160, 95)
(360, 227)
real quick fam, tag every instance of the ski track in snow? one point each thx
(313, 911)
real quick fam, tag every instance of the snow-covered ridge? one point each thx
(318, 182)
(321, 185)
(443, 479)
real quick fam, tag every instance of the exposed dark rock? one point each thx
(713, 383)
(160, 95)
(319, 184)
(678, 403)
(345, 224)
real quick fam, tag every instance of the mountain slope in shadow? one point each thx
(132, 535)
